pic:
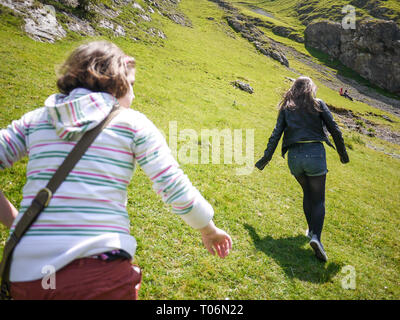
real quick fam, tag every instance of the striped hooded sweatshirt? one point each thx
(88, 213)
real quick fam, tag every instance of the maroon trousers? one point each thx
(85, 279)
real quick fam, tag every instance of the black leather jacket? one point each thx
(299, 125)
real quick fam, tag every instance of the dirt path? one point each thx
(258, 10)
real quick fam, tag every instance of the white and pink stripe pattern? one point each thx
(88, 215)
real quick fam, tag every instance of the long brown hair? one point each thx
(98, 66)
(301, 95)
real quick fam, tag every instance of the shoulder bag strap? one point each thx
(43, 197)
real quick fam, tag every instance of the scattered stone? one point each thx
(287, 33)
(43, 26)
(387, 118)
(243, 86)
(123, 2)
(145, 17)
(270, 50)
(249, 20)
(179, 19)
(40, 21)
(104, 23)
(104, 10)
(119, 31)
(356, 122)
(157, 33)
(247, 27)
(263, 44)
(138, 6)
(226, 6)
(393, 155)
(169, 9)
(374, 9)
(79, 26)
(70, 3)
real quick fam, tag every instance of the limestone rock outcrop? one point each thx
(372, 49)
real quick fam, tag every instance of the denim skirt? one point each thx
(307, 159)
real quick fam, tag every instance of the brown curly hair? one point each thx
(301, 95)
(99, 66)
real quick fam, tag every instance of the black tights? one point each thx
(313, 201)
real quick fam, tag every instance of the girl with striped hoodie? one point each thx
(84, 233)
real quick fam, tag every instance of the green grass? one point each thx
(187, 79)
(285, 15)
(285, 10)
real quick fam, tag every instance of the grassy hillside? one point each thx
(297, 12)
(187, 79)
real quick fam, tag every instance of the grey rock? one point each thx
(226, 6)
(372, 49)
(138, 6)
(103, 10)
(42, 25)
(247, 27)
(104, 23)
(179, 19)
(243, 86)
(40, 22)
(119, 31)
(156, 33)
(324, 36)
(123, 2)
(17, 6)
(262, 43)
(70, 3)
(80, 26)
(375, 9)
(145, 17)
(169, 9)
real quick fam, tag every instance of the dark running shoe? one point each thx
(318, 248)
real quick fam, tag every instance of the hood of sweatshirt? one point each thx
(82, 110)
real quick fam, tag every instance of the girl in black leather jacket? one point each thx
(301, 119)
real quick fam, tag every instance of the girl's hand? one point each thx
(8, 212)
(260, 164)
(344, 159)
(215, 239)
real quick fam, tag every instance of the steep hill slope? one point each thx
(299, 13)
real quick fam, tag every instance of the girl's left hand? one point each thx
(216, 240)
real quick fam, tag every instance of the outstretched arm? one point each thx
(8, 212)
(334, 130)
(273, 141)
(174, 187)
(12, 149)
(215, 238)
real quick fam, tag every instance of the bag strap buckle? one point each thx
(49, 195)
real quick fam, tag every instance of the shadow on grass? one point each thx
(297, 262)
